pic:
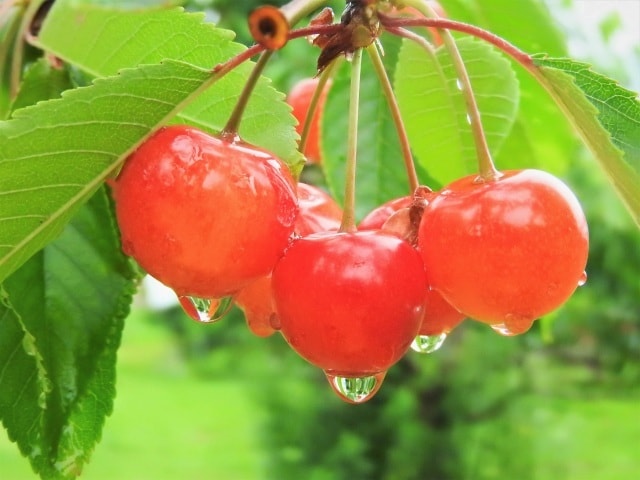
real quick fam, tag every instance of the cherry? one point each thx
(350, 303)
(377, 217)
(318, 212)
(299, 98)
(439, 316)
(508, 251)
(203, 215)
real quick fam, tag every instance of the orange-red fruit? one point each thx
(203, 215)
(439, 316)
(508, 251)
(318, 212)
(350, 303)
(300, 98)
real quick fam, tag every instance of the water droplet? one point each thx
(583, 279)
(458, 84)
(205, 310)
(513, 325)
(428, 343)
(356, 389)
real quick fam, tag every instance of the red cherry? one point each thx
(439, 316)
(318, 212)
(203, 215)
(300, 98)
(375, 219)
(350, 303)
(508, 251)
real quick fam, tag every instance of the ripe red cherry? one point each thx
(439, 316)
(203, 215)
(318, 212)
(350, 303)
(299, 98)
(375, 219)
(505, 252)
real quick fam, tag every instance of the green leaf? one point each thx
(9, 28)
(380, 172)
(541, 136)
(41, 82)
(55, 155)
(60, 328)
(102, 40)
(607, 117)
(434, 109)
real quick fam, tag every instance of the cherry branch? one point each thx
(514, 52)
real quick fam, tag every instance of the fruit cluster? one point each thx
(217, 219)
(222, 222)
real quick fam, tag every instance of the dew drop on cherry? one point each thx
(583, 279)
(205, 310)
(513, 325)
(428, 343)
(355, 389)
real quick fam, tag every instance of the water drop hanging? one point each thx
(513, 325)
(356, 389)
(428, 343)
(205, 310)
(583, 279)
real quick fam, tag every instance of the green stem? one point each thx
(348, 214)
(396, 115)
(293, 11)
(230, 130)
(313, 105)
(487, 169)
(18, 49)
(296, 10)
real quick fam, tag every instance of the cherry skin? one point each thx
(318, 212)
(376, 218)
(300, 98)
(203, 215)
(439, 316)
(350, 303)
(508, 251)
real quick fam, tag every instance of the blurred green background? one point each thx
(561, 402)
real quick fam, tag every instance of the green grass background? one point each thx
(170, 423)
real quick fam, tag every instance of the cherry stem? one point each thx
(230, 130)
(514, 52)
(313, 105)
(396, 115)
(487, 170)
(348, 214)
(293, 11)
(18, 48)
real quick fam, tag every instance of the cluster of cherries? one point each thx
(221, 221)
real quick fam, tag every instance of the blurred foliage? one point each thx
(467, 410)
